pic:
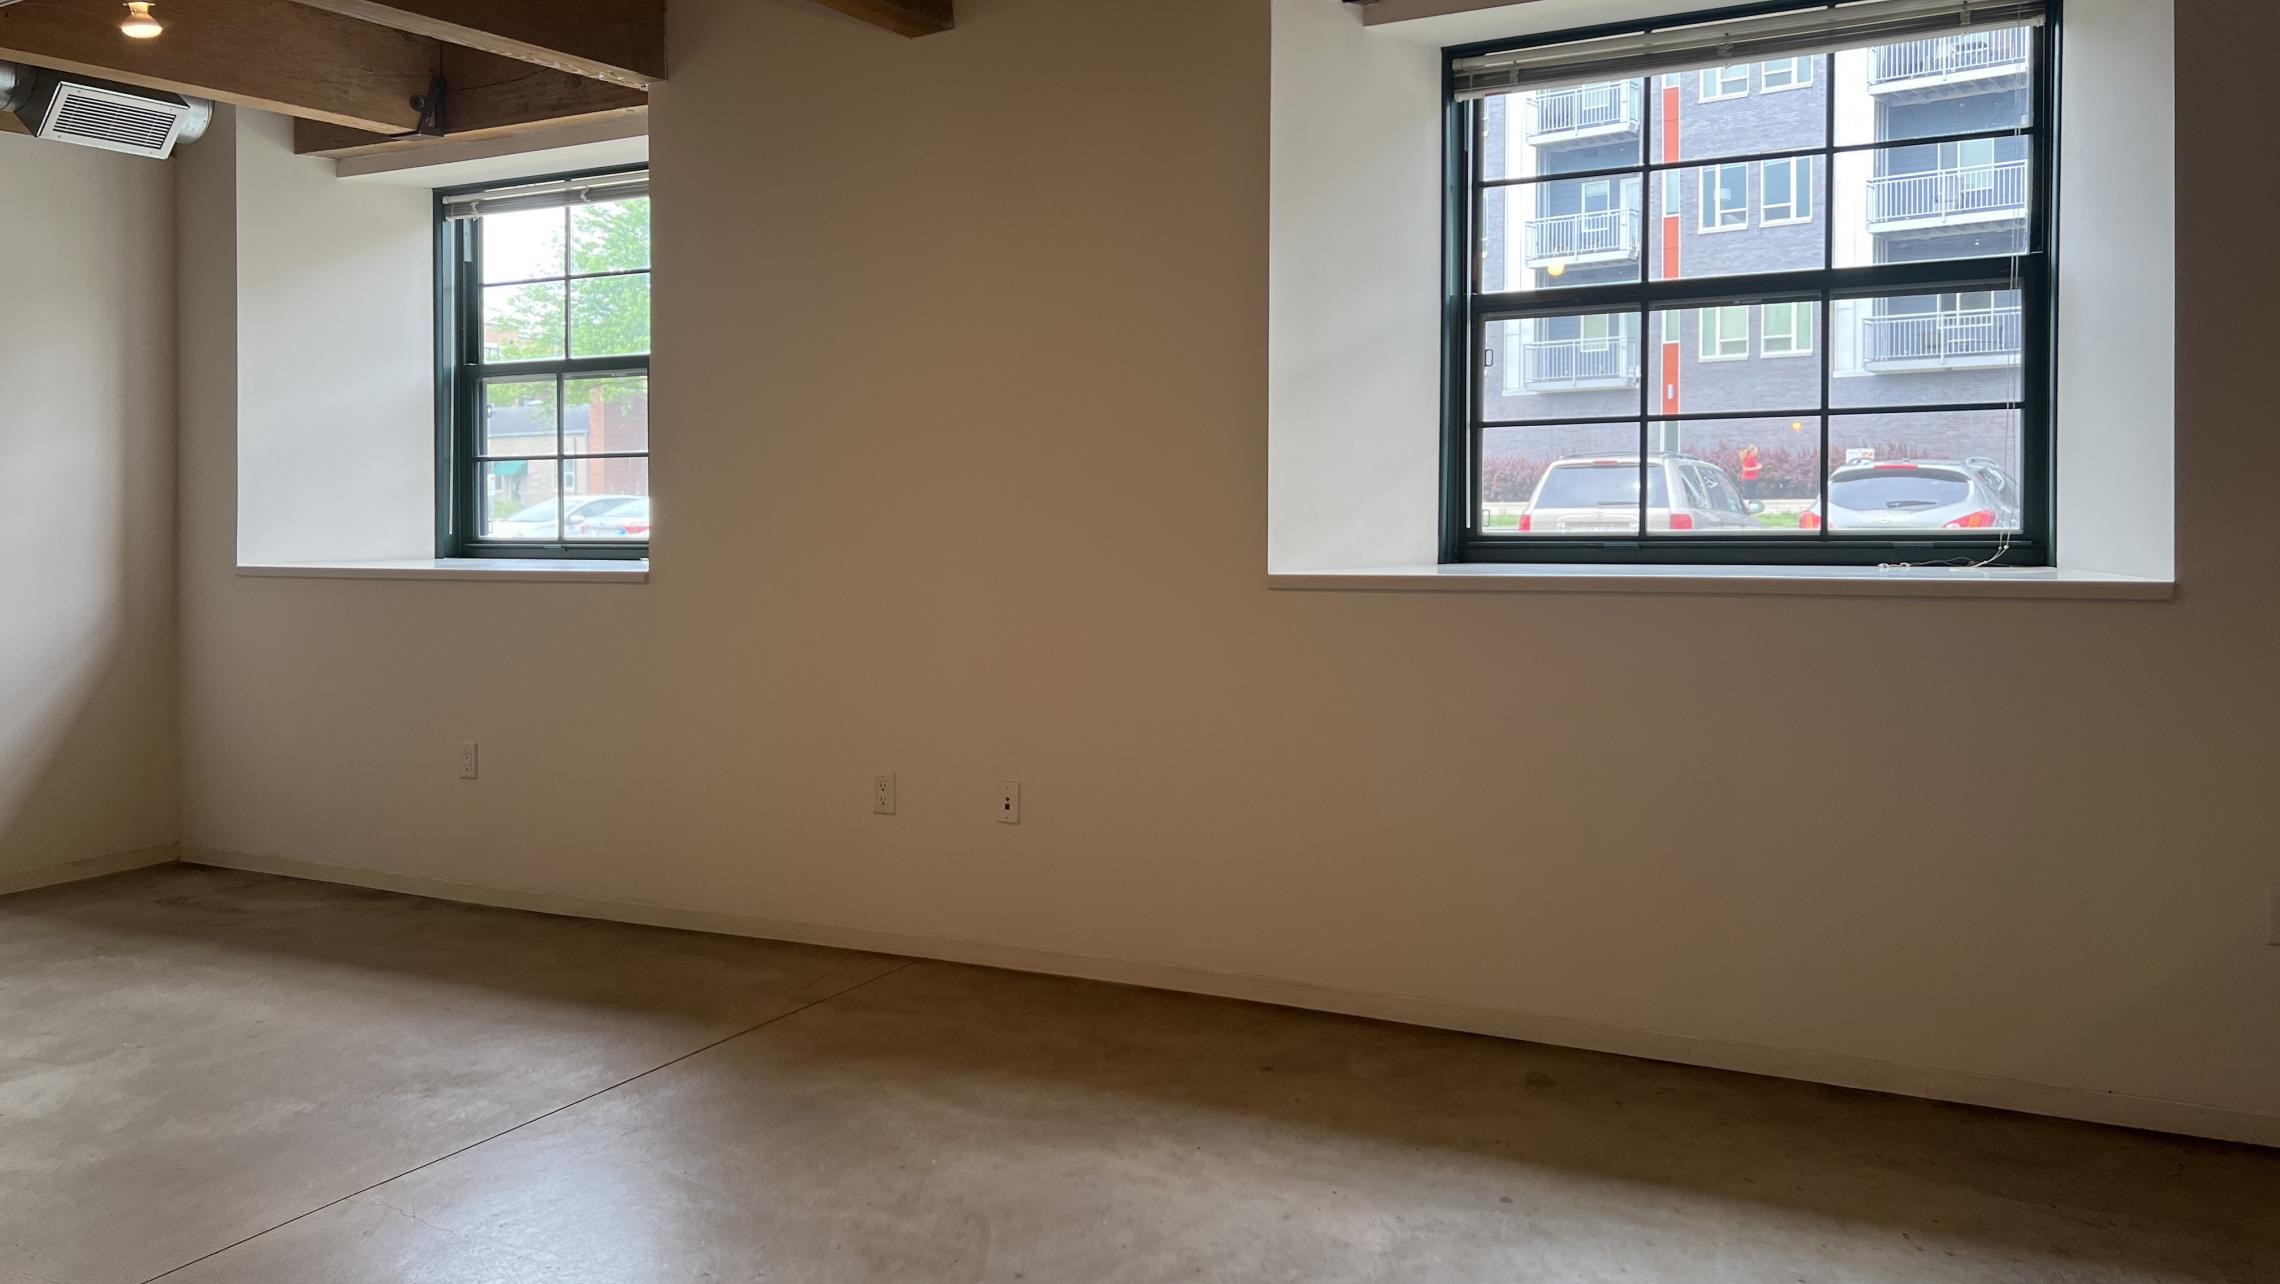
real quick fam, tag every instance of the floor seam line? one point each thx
(538, 1118)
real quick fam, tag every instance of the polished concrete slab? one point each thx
(191, 1056)
(935, 1122)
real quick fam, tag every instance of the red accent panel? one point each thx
(1669, 397)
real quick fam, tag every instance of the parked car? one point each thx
(1599, 494)
(623, 521)
(1919, 495)
(537, 521)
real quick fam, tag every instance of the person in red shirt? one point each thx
(1751, 470)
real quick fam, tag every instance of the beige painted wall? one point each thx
(87, 464)
(961, 413)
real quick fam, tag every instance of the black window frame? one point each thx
(460, 373)
(1467, 313)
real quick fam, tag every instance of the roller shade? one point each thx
(1696, 44)
(547, 196)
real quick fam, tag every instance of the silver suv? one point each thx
(1919, 495)
(1599, 495)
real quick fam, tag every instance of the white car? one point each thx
(538, 520)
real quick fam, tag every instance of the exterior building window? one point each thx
(1725, 333)
(1725, 82)
(1785, 190)
(545, 313)
(1725, 198)
(1787, 329)
(1785, 73)
(1869, 375)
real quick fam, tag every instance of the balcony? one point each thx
(1594, 236)
(1938, 198)
(1942, 340)
(1579, 365)
(1945, 65)
(1608, 109)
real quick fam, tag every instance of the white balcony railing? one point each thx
(1562, 365)
(1949, 58)
(1584, 111)
(1966, 193)
(1975, 336)
(1595, 236)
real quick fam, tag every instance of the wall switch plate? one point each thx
(883, 794)
(467, 762)
(1009, 802)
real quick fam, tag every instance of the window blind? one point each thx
(1697, 44)
(547, 196)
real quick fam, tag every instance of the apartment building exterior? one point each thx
(1898, 202)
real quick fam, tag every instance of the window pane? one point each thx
(1927, 471)
(1917, 349)
(1561, 130)
(1560, 479)
(523, 322)
(1785, 116)
(605, 416)
(519, 500)
(1718, 228)
(609, 316)
(1929, 201)
(1715, 365)
(518, 418)
(522, 246)
(606, 499)
(1561, 367)
(1951, 84)
(1721, 469)
(612, 236)
(1560, 232)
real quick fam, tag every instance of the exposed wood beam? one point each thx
(903, 17)
(274, 55)
(621, 41)
(487, 96)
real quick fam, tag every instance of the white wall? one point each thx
(336, 359)
(962, 404)
(87, 458)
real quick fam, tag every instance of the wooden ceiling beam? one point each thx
(903, 17)
(487, 96)
(620, 41)
(274, 55)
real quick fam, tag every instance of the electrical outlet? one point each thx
(883, 794)
(467, 763)
(1009, 802)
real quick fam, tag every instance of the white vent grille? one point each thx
(117, 122)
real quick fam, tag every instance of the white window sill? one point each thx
(1864, 581)
(495, 569)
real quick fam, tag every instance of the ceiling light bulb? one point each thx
(1556, 269)
(139, 25)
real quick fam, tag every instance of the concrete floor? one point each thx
(210, 1076)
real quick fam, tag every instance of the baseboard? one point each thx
(2090, 1105)
(71, 871)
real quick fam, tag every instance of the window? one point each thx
(1785, 73)
(1894, 284)
(1725, 198)
(1725, 82)
(543, 436)
(1787, 329)
(1725, 333)
(1785, 191)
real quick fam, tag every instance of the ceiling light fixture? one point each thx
(138, 24)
